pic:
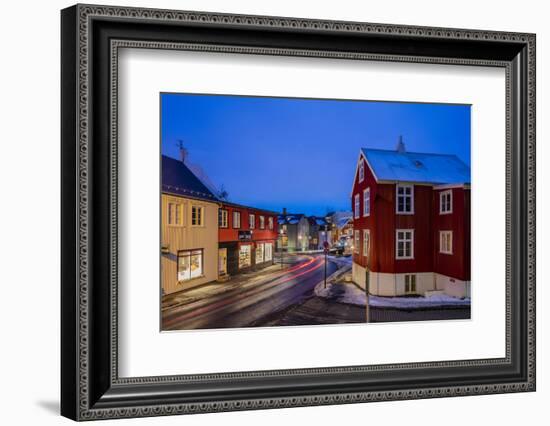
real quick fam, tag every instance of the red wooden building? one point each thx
(246, 238)
(411, 222)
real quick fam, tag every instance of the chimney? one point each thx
(400, 145)
(183, 151)
(284, 211)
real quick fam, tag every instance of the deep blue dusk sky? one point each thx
(300, 153)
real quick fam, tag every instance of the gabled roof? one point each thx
(290, 218)
(179, 180)
(416, 167)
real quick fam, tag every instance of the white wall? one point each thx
(29, 164)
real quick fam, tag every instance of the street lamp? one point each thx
(282, 249)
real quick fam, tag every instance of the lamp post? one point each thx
(282, 249)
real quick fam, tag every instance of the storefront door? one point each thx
(222, 261)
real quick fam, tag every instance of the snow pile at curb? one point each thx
(341, 293)
(416, 302)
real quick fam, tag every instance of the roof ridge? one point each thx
(393, 151)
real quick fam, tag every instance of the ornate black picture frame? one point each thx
(91, 387)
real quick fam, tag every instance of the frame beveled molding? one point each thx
(79, 400)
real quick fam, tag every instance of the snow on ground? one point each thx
(416, 302)
(353, 295)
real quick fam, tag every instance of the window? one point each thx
(262, 222)
(404, 244)
(260, 253)
(356, 206)
(236, 219)
(446, 202)
(268, 253)
(366, 242)
(175, 216)
(446, 242)
(252, 221)
(410, 283)
(190, 264)
(245, 258)
(222, 218)
(405, 199)
(356, 242)
(366, 202)
(361, 171)
(197, 215)
(270, 223)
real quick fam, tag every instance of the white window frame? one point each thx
(356, 241)
(410, 290)
(252, 221)
(200, 209)
(178, 213)
(236, 214)
(366, 242)
(262, 222)
(366, 202)
(224, 223)
(270, 222)
(356, 207)
(397, 240)
(361, 171)
(443, 242)
(442, 195)
(397, 187)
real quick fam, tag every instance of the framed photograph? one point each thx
(263, 212)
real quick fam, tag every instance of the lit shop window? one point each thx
(190, 264)
(236, 219)
(404, 244)
(197, 215)
(410, 283)
(270, 223)
(245, 256)
(446, 242)
(252, 221)
(268, 253)
(405, 199)
(222, 218)
(175, 216)
(446, 202)
(260, 253)
(262, 222)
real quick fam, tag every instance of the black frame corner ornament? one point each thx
(91, 37)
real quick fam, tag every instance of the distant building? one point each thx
(293, 232)
(342, 230)
(247, 238)
(189, 229)
(411, 223)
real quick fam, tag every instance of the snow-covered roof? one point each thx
(416, 167)
(290, 219)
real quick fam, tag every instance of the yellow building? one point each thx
(189, 229)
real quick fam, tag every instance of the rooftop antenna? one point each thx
(400, 145)
(183, 151)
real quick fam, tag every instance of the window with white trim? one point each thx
(366, 202)
(366, 242)
(236, 219)
(252, 221)
(262, 222)
(410, 283)
(197, 216)
(270, 223)
(361, 171)
(356, 206)
(404, 202)
(356, 241)
(190, 264)
(175, 214)
(446, 202)
(404, 244)
(446, 242)
(222, 218)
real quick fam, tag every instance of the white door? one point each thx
(222, 261)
